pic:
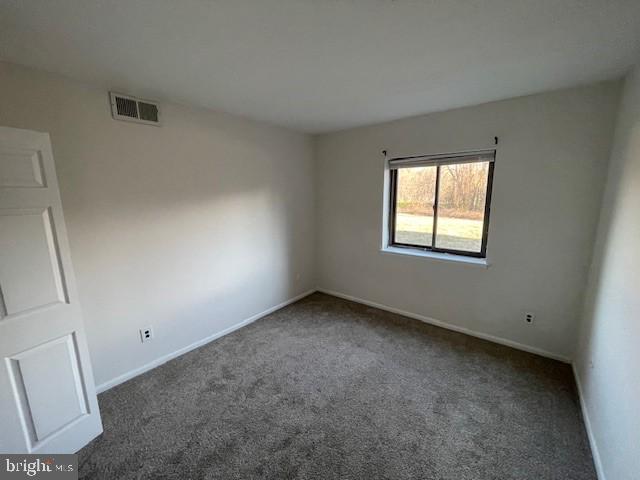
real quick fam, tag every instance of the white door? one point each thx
(48, 401)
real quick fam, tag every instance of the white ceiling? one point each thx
(322, 65)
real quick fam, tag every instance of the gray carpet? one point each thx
(330, 389)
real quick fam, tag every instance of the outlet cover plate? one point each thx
(146, 334)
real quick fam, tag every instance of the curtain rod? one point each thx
(495, 142)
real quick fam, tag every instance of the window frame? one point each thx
(393, 188)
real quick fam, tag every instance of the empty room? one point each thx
(320, 239)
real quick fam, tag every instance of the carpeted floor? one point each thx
(330, 389)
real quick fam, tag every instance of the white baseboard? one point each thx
(449, 326)
(592, 439)
(165, 358)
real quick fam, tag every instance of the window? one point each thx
(441, 203)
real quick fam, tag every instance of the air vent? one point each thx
(131, 109)
(148, 112)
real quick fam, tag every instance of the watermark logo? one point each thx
(51, 467)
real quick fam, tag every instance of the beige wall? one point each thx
(191, 227)
(549, 174)
(608, 359)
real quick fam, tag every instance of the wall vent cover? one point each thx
(132, 109)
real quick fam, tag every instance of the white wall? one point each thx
(549, 175)
(608, 358)
(191, 227)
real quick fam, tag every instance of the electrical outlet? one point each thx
(146, 334)
(529, 317)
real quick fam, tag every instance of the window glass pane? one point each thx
(414, 205)
(461, 200)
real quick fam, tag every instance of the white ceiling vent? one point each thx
(132, 109)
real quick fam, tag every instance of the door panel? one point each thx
(30, 271)
(21, 168)
(48, 402)
(44, 411)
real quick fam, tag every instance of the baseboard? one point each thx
(170, 356)
(592, 439)
(449, 326)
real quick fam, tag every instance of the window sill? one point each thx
(445, 257)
